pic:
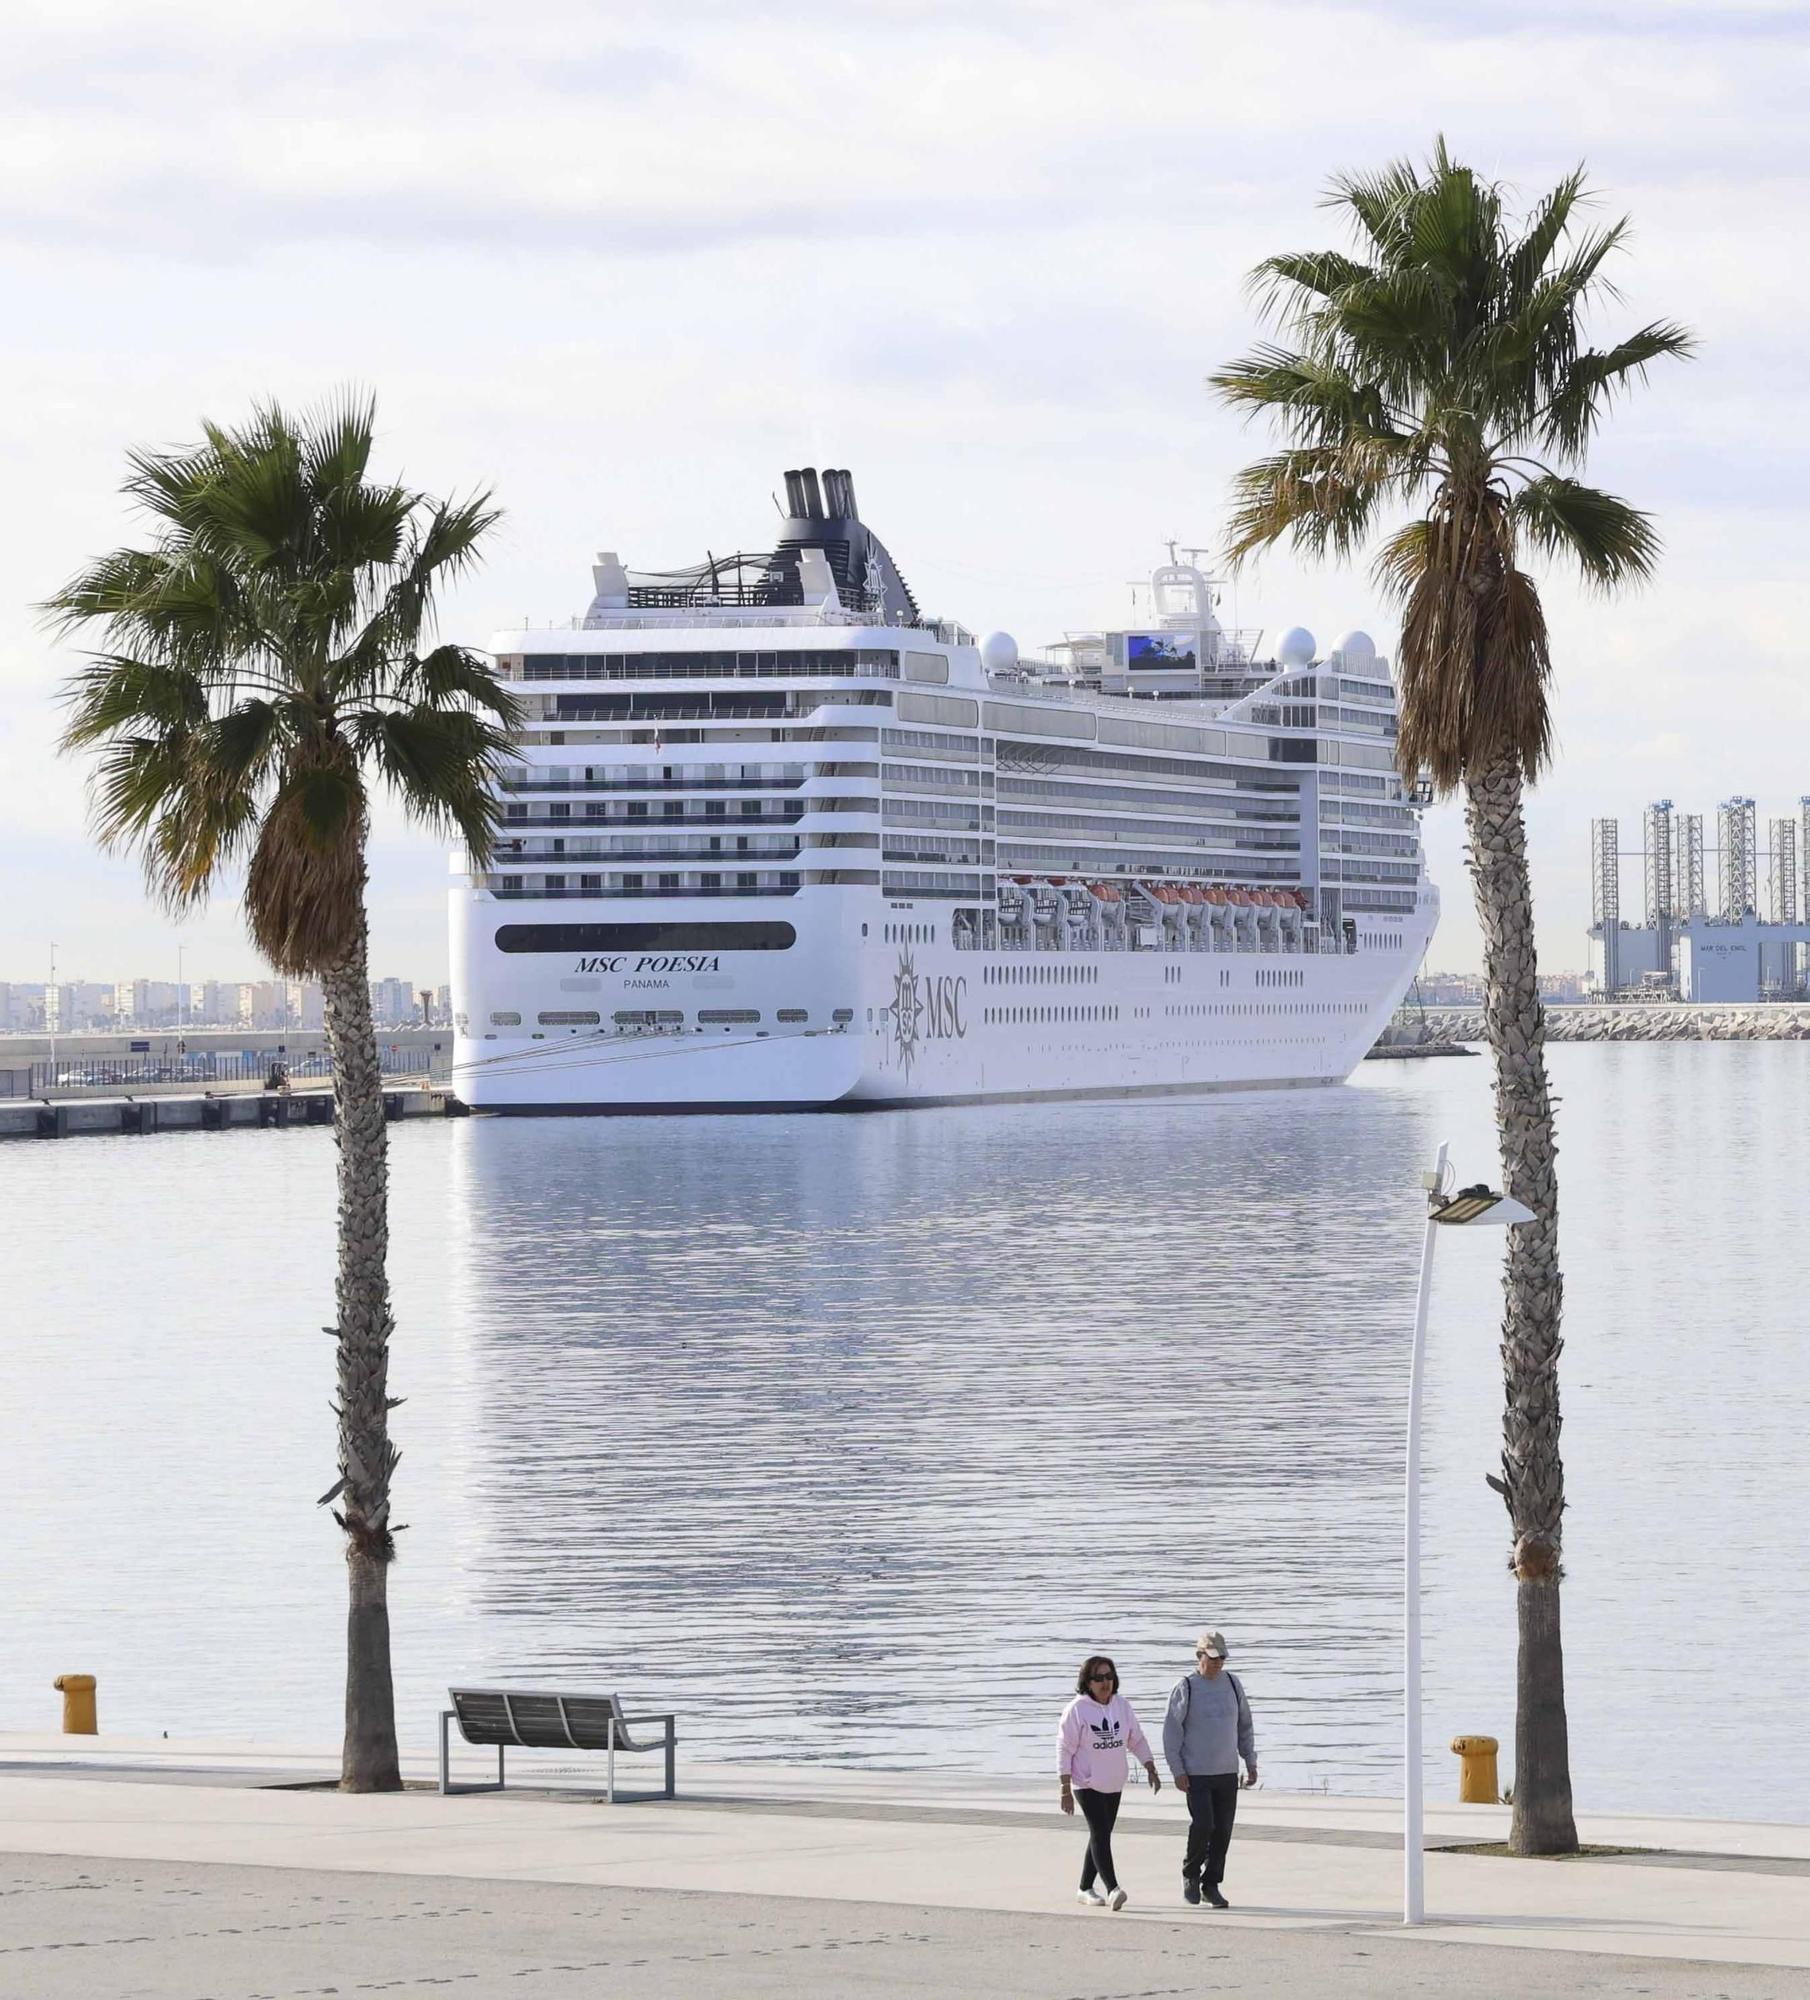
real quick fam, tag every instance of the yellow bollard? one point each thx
(1476, 1770)
(78, 1704)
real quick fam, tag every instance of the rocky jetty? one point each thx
(1658, 1021)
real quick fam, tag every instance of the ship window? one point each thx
(723, 1017)
(567, 1018)
(844, 1015)
(648, 937)
(505, 1020)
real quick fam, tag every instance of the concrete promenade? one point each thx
(172, 1870)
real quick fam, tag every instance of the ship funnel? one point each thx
(813, 499)
(839, 496)
(795, 495)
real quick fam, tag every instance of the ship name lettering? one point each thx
(695, 961)
(944, 999)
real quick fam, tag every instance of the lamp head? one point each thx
(1478, 1204)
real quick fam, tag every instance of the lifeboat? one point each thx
(1240, 897)
(1057, 881)
(1216, 896)
(1192, 895)
(1024, 881)
(1097, 890)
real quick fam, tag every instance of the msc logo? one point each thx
(925, 1008)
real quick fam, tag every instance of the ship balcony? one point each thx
(837, 850)
(784, 815)
(816, 824)
(842, 779)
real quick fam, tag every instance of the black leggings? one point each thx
(1101, 1808)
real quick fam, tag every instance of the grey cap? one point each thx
(1213, 1643)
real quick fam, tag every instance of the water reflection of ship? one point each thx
(776, 1414)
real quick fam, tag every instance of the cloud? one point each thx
(624, 263)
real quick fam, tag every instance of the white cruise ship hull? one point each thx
(930, 1024)
(771, 839)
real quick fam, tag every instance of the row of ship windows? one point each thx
(907, 933)
(1102, 1011)
(663, 1017)
(1106, 1011)
(848, 661)
(1058, 974)
(1381, 940)
(647, 777)
(1267, 1008)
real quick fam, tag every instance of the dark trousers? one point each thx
(1212, 1806)
(1101, 1810)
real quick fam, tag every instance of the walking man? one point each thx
(1205, 1734)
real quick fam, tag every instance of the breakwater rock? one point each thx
(1782, 1021)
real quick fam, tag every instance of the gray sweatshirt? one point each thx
(1208, 1727)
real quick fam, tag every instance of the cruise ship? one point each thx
(774, 840)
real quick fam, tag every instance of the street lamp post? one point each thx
(1464, 1208)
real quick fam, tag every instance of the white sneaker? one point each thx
(1092, 1896)
(1118, 1899)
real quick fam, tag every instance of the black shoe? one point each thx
(1190, 1890)
(1215, 1898)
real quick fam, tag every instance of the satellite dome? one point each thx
(999, 652)
(1357, 649)
(1296, 647)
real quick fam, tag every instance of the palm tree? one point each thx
(263, 668)
(1443, 369)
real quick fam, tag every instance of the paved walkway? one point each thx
(176, 1870)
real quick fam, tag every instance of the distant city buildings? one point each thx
(1749, 943)
(1465, 989)
(151, 1006)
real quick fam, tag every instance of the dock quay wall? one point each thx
(75, 1115)
(199, 1059)
(1655, 1021)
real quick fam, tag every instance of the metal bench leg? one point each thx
(671, 1758)
(447, 1786)
(610, 1780)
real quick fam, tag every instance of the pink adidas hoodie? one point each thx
(1092, 1742)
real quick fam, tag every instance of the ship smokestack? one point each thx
(813, 499)
(839, 496)
(795, 495)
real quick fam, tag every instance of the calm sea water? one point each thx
(848, 1437)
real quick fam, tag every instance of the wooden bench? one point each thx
(506, 1716)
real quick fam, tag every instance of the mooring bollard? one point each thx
(78, 1704)
(1476, 1770)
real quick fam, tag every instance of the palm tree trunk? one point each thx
(366, 1456)
(1533, 1476)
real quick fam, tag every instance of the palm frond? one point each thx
(1427, 370)
(1323, 500)
(1584, 392)
(1610, 542)
(283, 596)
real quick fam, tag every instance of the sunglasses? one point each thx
(1102, 1677)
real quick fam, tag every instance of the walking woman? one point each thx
(1097, 1729)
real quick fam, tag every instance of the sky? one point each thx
(622, 264)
